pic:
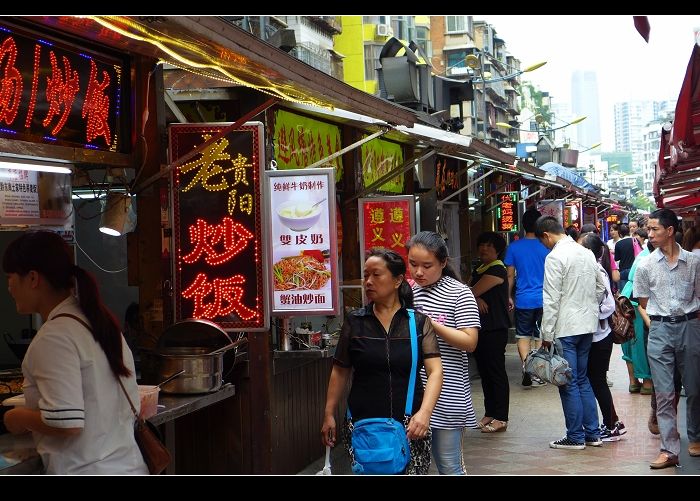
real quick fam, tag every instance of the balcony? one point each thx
(330, 23)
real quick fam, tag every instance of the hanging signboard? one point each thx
(446, 182)
(380, 157)
(554, 208)
(300, 141)
(590, 215)
(34, 198)
(507, 211)
(219, 266)
(56, 92)
(572, 215)
(302, 243)
(387, 223)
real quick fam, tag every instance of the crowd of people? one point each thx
(560, 286)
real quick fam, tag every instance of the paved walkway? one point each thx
(536, 418)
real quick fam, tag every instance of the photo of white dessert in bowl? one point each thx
(299, 215)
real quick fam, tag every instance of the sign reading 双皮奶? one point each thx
(218, 226)
(387, 223)
(302, 243)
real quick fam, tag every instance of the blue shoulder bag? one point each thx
(379, 446)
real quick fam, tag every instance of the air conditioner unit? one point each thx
(383, 30)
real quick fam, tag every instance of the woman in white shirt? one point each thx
(75, 408)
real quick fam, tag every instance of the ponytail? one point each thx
(105, 328)
(406, 294)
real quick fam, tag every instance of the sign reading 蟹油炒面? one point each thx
(55, 92)
(302, 241)
(507, 211)
(218, 226)
(387, 223)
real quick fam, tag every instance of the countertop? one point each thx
(19, 457)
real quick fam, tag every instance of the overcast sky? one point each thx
(627, 67)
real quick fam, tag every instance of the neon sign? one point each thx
(507, 212)
(58, 93)
(218, 227)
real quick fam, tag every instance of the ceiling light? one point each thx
(35, 165)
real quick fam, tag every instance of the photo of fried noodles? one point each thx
(300, 273)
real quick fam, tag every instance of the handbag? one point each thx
(379, 446)
(547, 365)
(155, 454)
(622, 320)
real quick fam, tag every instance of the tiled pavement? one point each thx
(536, 418)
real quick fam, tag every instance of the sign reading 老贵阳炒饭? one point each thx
(218, 226)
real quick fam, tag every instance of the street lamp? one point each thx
(475, 62)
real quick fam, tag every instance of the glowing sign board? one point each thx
(507, 211)
(303, 241)
(218, 226)
(56, 92)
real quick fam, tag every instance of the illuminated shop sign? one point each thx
(387, 223)
(59, 93)
(380, 157)
(446, 182)
(507, 211)
(303, 244)
(217, 226)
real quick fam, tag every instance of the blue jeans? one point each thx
(577, 398)
(447, 451)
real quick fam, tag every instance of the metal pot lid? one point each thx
(193, 333)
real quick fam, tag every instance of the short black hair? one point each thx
(493, 238)
(667, 218)
(589, 228)
(530, 218)
(549, 224)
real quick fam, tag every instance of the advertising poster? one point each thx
(590, 215)
(386, 222)
(380, 157)
(303, 267)
(573, 215)
(19, 194)
(553, 208)
(218, 222)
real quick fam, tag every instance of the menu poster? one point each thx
(302, 241)
(218, 226)
(507, 211)
(387, 223)
(553, 208)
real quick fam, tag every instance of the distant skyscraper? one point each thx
(584, 101)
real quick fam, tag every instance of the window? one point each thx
(372, 61)
(456, 24)
(423, 39)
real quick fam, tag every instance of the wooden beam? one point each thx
(67, 153)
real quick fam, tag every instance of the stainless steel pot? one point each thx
(203, 367)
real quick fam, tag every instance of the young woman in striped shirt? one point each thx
(439, 294)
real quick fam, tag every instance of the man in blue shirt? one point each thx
(525, 261)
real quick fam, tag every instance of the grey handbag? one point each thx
(548, 366)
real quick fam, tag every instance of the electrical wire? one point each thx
(93, 261)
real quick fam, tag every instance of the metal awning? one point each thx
(213, 47)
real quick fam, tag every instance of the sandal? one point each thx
(483, 422)
(495, 426)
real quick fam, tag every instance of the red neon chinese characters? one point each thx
(233, 237)
(96, 106)
(35, 86)
(10, 83)
(60, 91)
(227, 297)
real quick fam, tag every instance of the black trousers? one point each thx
(598, 362)
(490, 356)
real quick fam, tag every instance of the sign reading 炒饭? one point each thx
(218, 226)
(55, 92)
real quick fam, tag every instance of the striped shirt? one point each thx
(452, 304)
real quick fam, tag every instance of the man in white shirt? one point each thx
(572, 291)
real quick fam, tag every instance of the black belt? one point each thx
(675, 320)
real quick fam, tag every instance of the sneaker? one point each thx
(527, 381)
(566, 443)
(536, 381)
(620, 427)
(613, 435)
